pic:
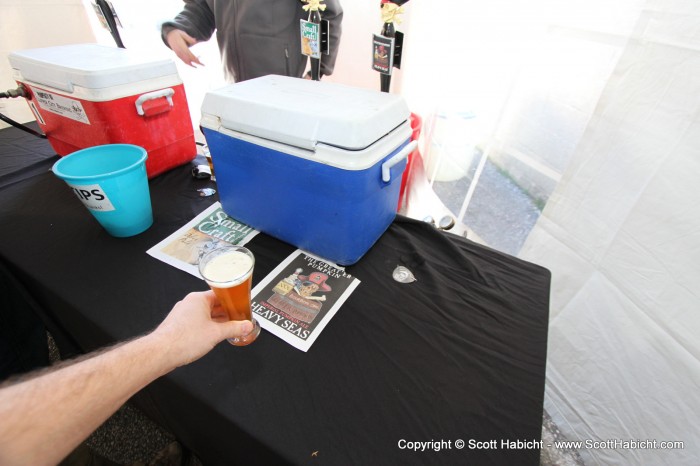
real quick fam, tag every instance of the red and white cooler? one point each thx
(86, 95)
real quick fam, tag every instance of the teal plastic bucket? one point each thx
(111, 182)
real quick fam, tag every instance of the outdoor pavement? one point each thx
(500, 213)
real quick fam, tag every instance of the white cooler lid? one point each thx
(90, 66)
(303, 113)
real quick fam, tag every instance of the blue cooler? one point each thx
(315, 164)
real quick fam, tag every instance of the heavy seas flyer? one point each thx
(299, 297)
(208, 230)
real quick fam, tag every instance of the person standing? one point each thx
(255, 37)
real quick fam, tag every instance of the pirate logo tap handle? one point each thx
(388, 45)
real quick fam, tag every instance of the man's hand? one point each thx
(46, 416)
(180, 42)
(197, 324)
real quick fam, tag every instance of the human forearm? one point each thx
(45, 418)
(196, 19)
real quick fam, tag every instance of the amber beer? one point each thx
(229, 272)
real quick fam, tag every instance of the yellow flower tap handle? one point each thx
(314, 5)
(391, 12)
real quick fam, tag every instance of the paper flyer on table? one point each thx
(299, 297)
(209, 230)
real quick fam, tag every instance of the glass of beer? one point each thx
(229, 273)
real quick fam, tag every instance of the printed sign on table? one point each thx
(299, 297)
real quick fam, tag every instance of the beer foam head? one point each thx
(228, 269)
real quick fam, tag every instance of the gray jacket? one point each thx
(257, 37)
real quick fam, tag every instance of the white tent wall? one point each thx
(621, 235)
(26, 24)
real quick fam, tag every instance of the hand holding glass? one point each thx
(229, 273)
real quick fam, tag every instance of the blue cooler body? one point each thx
(315, 164)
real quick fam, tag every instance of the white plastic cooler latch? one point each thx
(167, 93)
(402, 154)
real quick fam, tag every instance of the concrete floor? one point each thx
(500, 214)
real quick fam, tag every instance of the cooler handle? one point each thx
(167, 93)
(387, 166)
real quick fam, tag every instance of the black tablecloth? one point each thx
(457, 355)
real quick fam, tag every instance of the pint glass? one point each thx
(229, 273)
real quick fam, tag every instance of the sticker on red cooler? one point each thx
(60, 105)
(93, 197)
